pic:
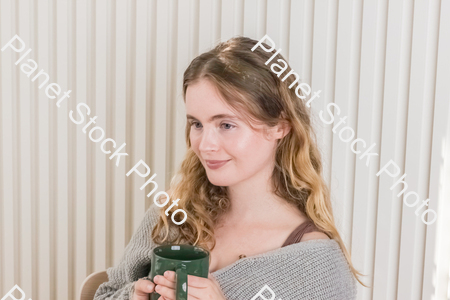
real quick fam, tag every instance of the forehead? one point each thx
(204, 102)
(203, 98)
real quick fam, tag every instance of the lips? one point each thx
(215, 164)
(216, 161)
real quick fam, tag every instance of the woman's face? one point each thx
(218, 134)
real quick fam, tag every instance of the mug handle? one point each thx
(182, 286)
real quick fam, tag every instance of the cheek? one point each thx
(195, 146)
(243, 145)
(194, 138)
(250, 157)
(251, 147)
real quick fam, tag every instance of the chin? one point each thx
(220, 180)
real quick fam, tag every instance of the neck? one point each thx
(250, 204)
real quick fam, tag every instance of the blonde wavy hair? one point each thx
(250, 88)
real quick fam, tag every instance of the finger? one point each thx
(192, 297)
(198, 282)
(166, 292)
(143, 287)
(170, 275)
(161, 280)
(196, 293)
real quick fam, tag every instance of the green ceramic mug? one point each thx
(184, 260)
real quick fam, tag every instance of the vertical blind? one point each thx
(67, 210)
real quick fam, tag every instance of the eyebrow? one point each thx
(220, 116)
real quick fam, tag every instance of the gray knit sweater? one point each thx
(314, 269)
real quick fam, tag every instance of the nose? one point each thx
(209, 140)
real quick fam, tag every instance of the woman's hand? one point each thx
(198, 288)
(142, 288)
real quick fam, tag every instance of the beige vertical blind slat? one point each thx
(171, 92)
(129, 15)
(80, 96)
(347, 61)
(71, 150)
(46, 276)
(120, 227)
(140, 107)
(373, 39)
(90, 100)
(101, 101)
(9, 197)
(261, 19)
(228, 17)
(285, 22)
(54, 177)
(239, 17)
(183, 60)
(22, 117)
(194, 16)
(109, 131)
(250, 18)
(300, 39)
(217, 21)
(2, 196)
(160, 120)
(364, 183)
(206, 23)
(322, 68)
(394, 142)
(34, 167)
(273, 22)
(62, 199)
(150, 94)
(437, 249)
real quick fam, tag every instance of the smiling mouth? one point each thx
(215, 164)
(216, 161)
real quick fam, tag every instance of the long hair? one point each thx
(250, 88)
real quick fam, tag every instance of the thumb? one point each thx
(143, 288)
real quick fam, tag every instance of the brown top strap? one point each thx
(297, 234)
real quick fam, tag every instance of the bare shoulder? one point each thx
(314, 236)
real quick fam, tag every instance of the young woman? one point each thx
(251, 185)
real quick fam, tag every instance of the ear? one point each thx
(279, 131)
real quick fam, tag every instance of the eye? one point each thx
(193, 124)
(232, 126)
(229, 126)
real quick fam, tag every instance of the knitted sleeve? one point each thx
(134, 264)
